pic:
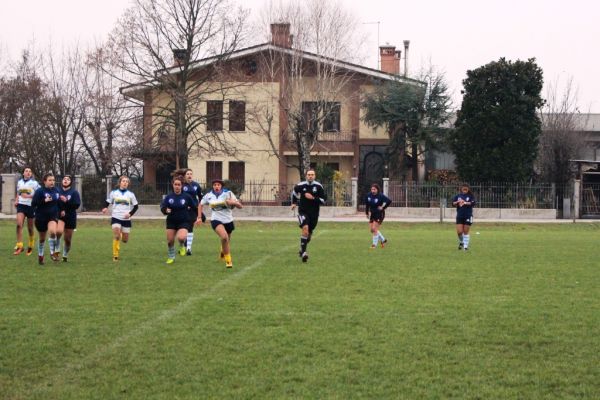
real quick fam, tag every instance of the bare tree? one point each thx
(112, 129)
(65, 115)
(28, 107)
(312, 81)
(563, 136)
(144, 44)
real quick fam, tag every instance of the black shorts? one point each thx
(464, 220)
(125, 223)
(229, 227)
(378, 217)
(177, 225)
(310, 220)
(70, 220)
(41, 223)
(27, 210)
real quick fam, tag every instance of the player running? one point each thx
(192, 188)
(124, 205)
(45, 202)
(176, 206)
(26, 186)
(308, 195)
(70, 200)
(221, 201)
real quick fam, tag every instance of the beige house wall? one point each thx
(365, 131)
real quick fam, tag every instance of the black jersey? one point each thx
(194, 190)
(45, 200)
(374, 201)
(309, 206)
(464, 211)
(72, 200)
(179, 204)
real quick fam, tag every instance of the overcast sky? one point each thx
(454, 35)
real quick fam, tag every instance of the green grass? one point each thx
(517, 317)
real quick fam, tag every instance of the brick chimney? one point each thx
(280, 35)
(390, 59)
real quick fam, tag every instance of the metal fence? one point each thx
(403, 194)
(590, 200)
(488, 195)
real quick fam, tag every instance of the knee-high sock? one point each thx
(303, 243)
(466, 239)
(31, 240)
(56, 245)
(40, 248)
(52, 245)
(116, 247)
(190, 239)
(380, 235)
(460, 238)
(171, 252)
(66, 249)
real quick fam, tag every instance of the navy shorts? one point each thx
(310, 220)
(70, 220)
(177, 225)
(464, 220)
(378, 217)
(41, 223)
(229, 227)
(24, 209)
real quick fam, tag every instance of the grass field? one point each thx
(517, 317)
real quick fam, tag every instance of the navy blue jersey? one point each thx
(309, 206)
(466, 211)
(194, 190)
(374, 201)
(179, 204)
(72, 200)
(45, 201)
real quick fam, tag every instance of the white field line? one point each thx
(62, 373)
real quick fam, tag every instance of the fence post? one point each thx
(442, 208)
(108, 185)
(576, 199)
(9, 187)
(79, 188)
(355, 192)
(386, 186)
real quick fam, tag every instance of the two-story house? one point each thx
(253, 114)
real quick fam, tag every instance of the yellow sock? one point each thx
(116, 247)
(227, 257)
(19, 245)
(31, 241)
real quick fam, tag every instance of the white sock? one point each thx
(190, 239)
(466, 240)
(375, 239)
(52, 245)
(381, 236)
(40, 249)
(460, 238)
(56, 245)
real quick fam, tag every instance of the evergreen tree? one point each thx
(498, 127)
